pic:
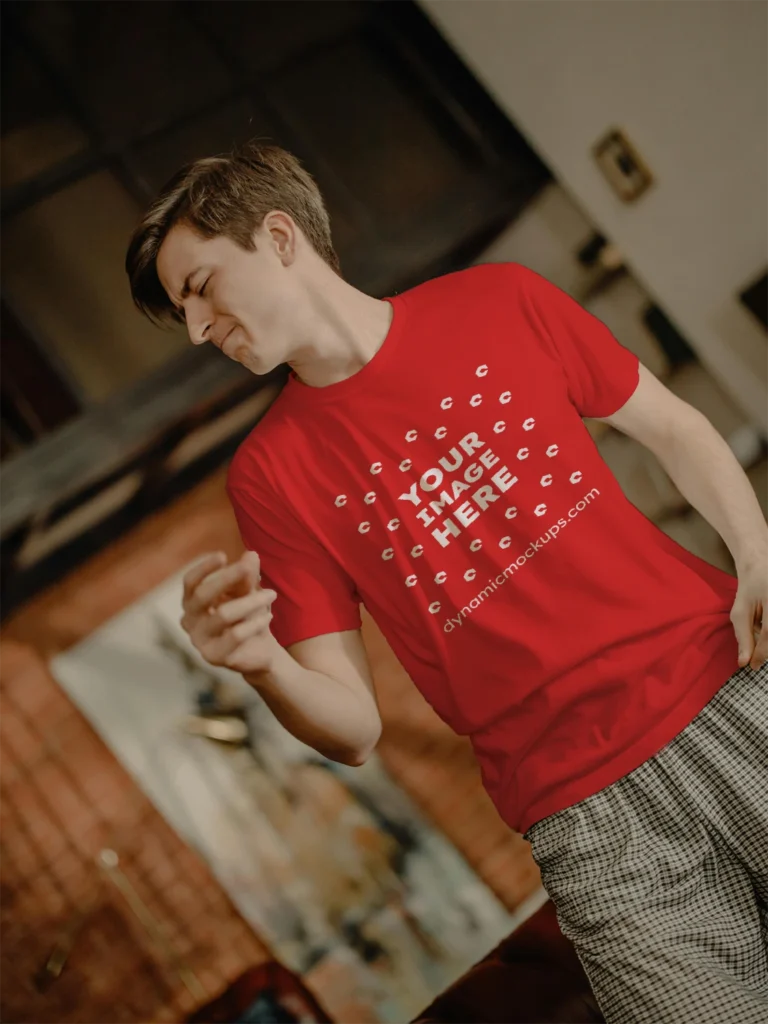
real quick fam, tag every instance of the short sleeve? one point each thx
(315, 595)
(601, 373)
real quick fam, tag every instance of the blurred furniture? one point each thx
(532, 977)
(90, 479)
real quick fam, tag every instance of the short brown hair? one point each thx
(226, 195)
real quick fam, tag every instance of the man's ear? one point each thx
(283, 234)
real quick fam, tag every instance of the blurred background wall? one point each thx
(689, 81)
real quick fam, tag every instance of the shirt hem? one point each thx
(694, 701)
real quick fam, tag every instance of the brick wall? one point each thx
(65, 798)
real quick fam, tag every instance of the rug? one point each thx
(333, 867)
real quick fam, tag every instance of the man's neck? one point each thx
(345, 330)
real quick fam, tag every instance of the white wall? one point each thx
(688, 81)
(546, 236)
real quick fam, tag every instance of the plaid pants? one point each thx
(661, 879)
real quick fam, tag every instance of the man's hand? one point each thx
(749, 614)
(227, 614)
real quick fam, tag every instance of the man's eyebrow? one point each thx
(186, 287)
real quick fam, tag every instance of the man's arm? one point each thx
(320, 689)
(708, 475)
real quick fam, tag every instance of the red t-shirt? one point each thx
(452, 488)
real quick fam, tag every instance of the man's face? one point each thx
(235, 299)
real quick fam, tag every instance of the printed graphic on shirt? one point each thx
(474, 483)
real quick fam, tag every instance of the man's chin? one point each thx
(255, 364)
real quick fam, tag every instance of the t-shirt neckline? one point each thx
(296, 390)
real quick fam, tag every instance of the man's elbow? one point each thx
(358, 758)
(358, 755)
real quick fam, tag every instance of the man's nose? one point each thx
(200, 330)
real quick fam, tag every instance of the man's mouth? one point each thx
(224, 341)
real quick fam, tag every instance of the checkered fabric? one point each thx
(661, 879)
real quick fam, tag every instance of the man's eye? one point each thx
(205, 285)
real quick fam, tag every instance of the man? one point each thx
(428, 458)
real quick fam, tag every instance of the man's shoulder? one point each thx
(479, 280)
(251, 468)
(245, 473)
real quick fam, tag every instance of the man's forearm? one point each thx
(708, 475)
(320, 711)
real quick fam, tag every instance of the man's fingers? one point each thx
(230, 612)
(214, 586)
(217, 649)
(743, 621)
(251, 626)
(218, 596)
(252, 562)
(199, 571)
(233, 611)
